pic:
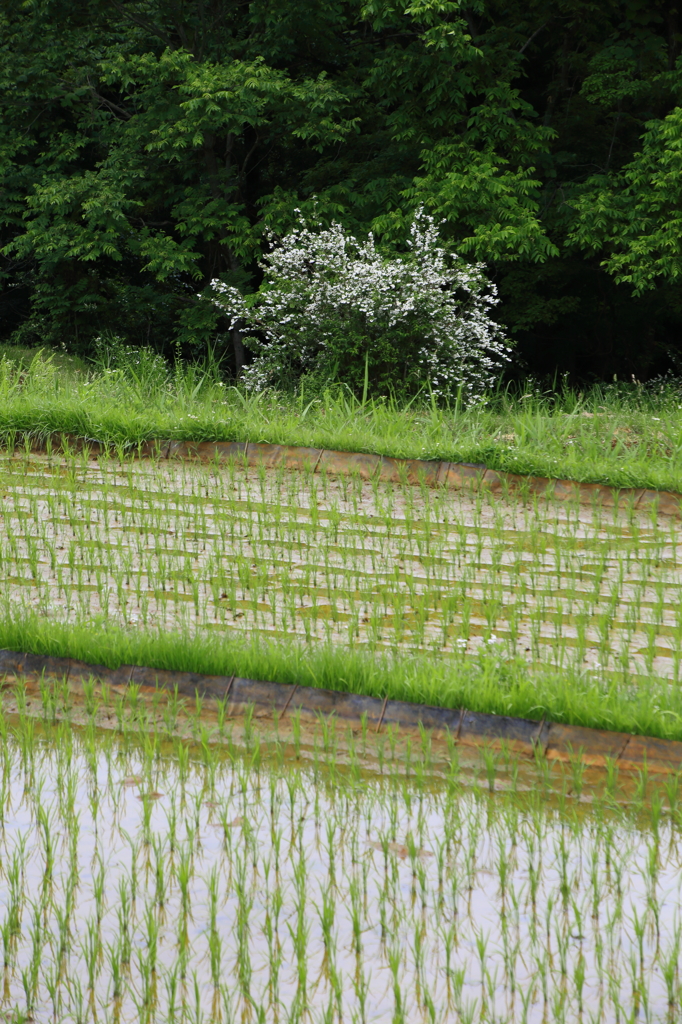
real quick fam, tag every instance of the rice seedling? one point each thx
(384, 569)
(326, 887)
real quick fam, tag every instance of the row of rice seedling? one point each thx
(148, 878)
(342, 561)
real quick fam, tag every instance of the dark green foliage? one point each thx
(146, 144)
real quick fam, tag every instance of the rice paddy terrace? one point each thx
(151, 877)
(161, 863)
(371, 565)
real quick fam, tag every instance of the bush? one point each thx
(336, 308)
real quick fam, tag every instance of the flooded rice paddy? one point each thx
(183, 547)
(149, 876)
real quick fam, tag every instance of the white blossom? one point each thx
(323, 288)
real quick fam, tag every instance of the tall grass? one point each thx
(621, 434)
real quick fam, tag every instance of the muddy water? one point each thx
(175, 546)
(142, 880)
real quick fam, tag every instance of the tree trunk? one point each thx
(213, 176)
(238, 344)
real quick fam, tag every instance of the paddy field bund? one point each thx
(329, 559)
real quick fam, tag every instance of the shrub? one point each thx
(338, 308)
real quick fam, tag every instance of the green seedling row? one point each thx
(377, 567)
(150, 877)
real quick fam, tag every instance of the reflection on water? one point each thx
(184, 885)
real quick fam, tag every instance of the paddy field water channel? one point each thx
(162, 863)
(383, 567)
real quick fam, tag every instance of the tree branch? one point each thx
(109, 103)
(143, 23)
(531, 38)
(248, 156)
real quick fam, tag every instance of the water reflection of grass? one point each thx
(156, 877)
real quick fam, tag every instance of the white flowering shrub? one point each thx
(332, 305)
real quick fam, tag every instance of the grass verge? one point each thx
(620, 435)
(481, 682)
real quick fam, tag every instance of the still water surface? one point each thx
(144, 885)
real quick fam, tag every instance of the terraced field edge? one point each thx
(422, 472)
(525, 737)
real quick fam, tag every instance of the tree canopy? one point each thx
(148, 146)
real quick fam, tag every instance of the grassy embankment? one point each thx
(482, 682)
(622, 435)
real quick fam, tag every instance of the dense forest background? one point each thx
(148, 145)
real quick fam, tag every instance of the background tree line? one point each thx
(147, 145)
